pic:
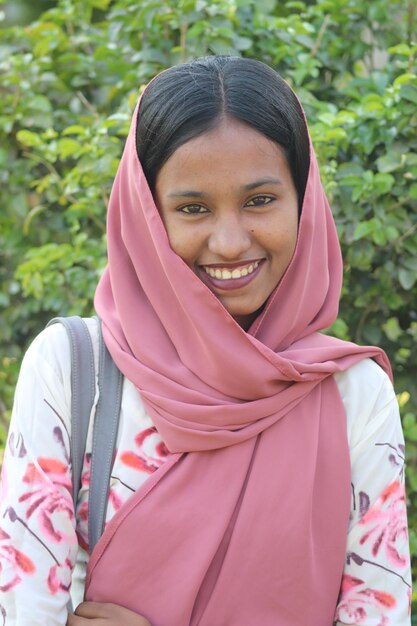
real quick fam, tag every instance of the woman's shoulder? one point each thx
(366, 375)
(52, 346)
(53, 340)
(368, 397)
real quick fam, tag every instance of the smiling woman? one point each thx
(258, 478)
(228, 173)
(238, 228)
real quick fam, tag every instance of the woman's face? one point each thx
(230, 209)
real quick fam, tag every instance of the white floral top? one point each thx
(41, 541)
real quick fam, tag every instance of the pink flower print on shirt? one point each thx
(48, 501)
(59, 577)
(82, 525)
(82, 507)
(151, 454)
(358, 604)
(114, 499)
(386, 525)
(13, 564)
(86, 472)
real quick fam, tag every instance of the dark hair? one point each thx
(190, 99)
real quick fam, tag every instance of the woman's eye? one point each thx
(259, 201)
(192, 209)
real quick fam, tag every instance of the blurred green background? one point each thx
(71, 72)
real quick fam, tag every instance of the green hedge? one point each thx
(70, 81)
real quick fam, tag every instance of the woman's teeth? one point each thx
(225, 274)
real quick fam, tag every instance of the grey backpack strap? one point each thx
(83, 387)
(110, 382)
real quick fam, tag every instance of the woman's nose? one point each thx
(229, 238)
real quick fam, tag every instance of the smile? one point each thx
(228, 274)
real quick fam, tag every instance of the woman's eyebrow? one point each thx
(248, 187)
(188, 194)
(262, 181)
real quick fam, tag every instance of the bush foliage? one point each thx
(69, 84)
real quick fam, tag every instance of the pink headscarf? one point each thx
(250, 526)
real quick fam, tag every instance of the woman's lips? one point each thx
(231, 276)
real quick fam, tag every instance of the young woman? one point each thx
(258, 477)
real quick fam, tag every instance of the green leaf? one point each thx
(327, 118)
(392, 329)
(401, 48)
(413, 191)
(407, 278)
(351, 170)
(410, 263)
(339, 329)
(391, 162)
(363, 230)
(75, 129)
(372, 333)
(296, 5)
(197, 29)
(409, 92)
(404, 79)
(383, 183)
(392, 233)
(410, 426)
(40, 103)
(242, 43)
(372, 107)
(266, 6)
(221, 46)
(346, 117)
(99, 4)
(334, 133)
(28, 138)
(379, 237)
(68, 147)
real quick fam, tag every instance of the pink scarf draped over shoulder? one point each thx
(246, 523)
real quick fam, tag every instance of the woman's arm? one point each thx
(38, 543)
(376, 586)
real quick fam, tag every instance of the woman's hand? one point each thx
(105, 614)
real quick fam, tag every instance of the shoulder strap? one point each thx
(82, 392)
(110, 381)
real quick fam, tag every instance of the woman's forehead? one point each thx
(233, 150)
